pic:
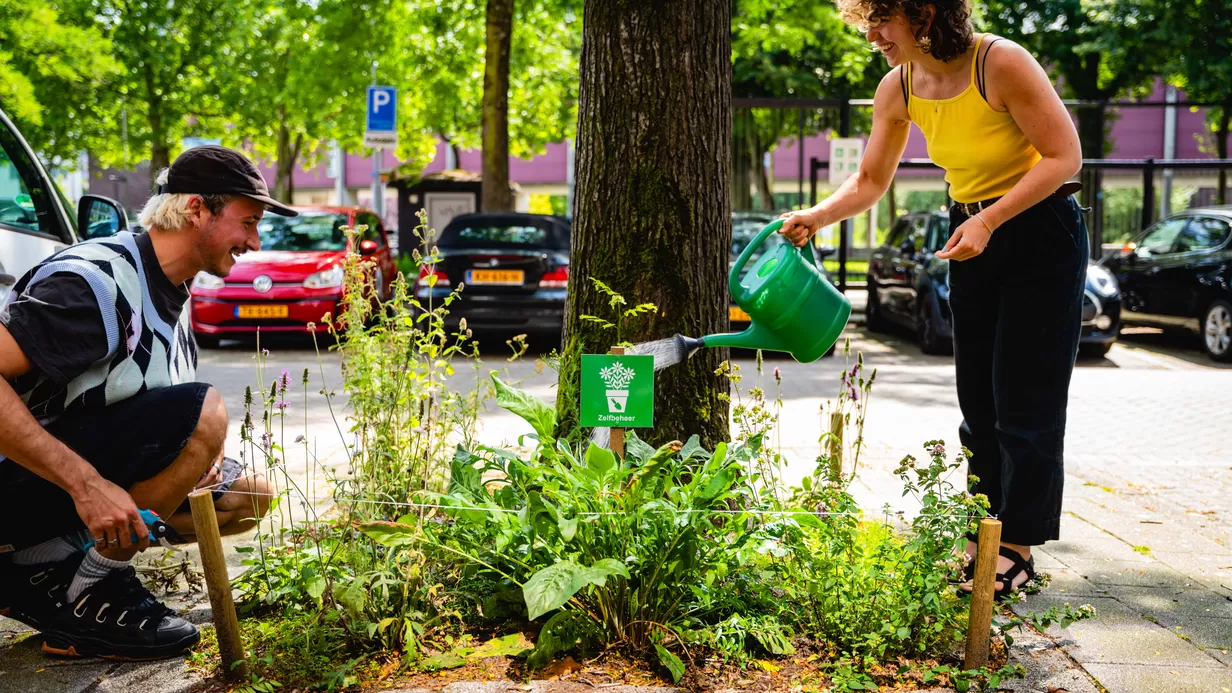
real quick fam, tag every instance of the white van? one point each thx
(35, 218)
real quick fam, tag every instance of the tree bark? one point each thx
(653, 202)
(496, 195)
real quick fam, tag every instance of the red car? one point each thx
(296, 277)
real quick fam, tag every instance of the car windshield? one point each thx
(497, 233)
(305, 232)
(745, 229)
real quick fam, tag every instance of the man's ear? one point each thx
(197, 210)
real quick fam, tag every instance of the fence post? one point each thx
(979, 625)
(226, 625)
(1148, 193)
(814, 164)
(616, 440)
(845, 227)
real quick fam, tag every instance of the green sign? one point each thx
(617, 391)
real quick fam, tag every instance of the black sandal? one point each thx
(1005, 581)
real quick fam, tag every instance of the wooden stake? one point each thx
(226, 625)
(979, 626)
(836, 446)
(617, 437)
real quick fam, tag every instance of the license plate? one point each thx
(737, 314)
(506, 277)
(260, 312)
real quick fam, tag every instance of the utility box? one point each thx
(443, 195)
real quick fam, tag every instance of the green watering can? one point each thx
(793, 307)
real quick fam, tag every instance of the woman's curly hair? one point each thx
(949, 35)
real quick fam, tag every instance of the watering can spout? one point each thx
(755, 337)
(687, 346)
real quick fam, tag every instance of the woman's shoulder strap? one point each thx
(981, 82)
(904, 81)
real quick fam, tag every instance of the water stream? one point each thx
(666, 352)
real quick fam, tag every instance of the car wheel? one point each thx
(931, 341)
(874, 321)
(1094, 350)
(206, 341)
(1217, 331)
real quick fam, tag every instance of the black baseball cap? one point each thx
(215, 170)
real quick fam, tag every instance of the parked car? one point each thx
(35, 218)
(908, 286)
(515, 266)
(1177, 275)
(745, 226)
(295, 279)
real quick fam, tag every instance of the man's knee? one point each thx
(211, 427)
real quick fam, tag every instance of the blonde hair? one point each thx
(169, 211)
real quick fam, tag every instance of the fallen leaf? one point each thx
(769, 666)
(39, 671)
(561, 667)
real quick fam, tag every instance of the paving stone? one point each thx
(1136, 574)
(1130, 678)
(25, 668)
(166, 676)
(1048, 667)
(1120, 635)
(1173, 606)
(1068, 582)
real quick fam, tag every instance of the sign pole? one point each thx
(378, 195)
(617, 444)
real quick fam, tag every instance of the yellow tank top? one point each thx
(983, 151)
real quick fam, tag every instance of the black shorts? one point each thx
(127, 443)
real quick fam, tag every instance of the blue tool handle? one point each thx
(150, 520)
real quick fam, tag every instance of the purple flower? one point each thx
(778, 375)
(267, 439)
(300, 438)
(284, 380)
(854, 369)
(282, 404)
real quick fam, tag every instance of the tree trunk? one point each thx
(1221, 148)
(160, 150)
(761, 177)
(1091, 123)
(653, 199)
(741, 166)
(496, 196)
(284, 171)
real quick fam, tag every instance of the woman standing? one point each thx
(1018, 244)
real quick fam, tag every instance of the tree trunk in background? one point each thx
(1221, 148)
(761, 177)
(653, 202)
(1091, 138)
(741, 166)
(496, 196)
(284, 171)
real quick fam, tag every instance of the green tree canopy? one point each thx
(51, 73)
(1203, 66)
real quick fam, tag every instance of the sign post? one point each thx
(845, 154)
(618, 392)
(381, 133)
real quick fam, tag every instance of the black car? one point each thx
(1177, 275)
(515, 267)
(909, 286)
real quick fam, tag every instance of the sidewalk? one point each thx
(1146, 536)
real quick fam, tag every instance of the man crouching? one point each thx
(100, 416)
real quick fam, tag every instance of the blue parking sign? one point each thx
(382, 109)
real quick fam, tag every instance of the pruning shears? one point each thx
(160, 531)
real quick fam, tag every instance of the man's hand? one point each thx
(111, 515)
(800, 226)
(967, 241)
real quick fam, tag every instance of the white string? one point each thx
(686, 511)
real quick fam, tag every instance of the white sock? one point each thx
(93, 568)
(50, 551)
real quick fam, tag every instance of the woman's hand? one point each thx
(967, 241)
(800, 226)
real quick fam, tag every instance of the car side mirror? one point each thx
(100, 217)
(367, 247)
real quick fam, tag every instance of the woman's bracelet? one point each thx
(977, 216)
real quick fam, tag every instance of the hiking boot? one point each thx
(32, 593)
(117, 618)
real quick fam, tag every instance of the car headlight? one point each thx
(205, 280)
(325, 279)
(1105, 284)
